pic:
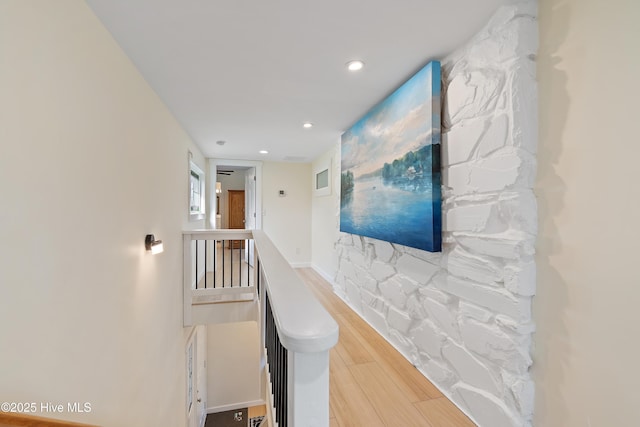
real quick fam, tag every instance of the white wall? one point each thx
(287, 220)
(463, 317)
(233, 368)
(325, 216)
(91, 161)
(586, 346)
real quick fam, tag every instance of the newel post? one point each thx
(308, 389)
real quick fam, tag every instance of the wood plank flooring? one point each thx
(371, 383)
(256, 411)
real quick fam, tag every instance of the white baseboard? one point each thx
(326, 276)
(232, 406)
(300, 264)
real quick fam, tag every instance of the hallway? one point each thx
(371, 383)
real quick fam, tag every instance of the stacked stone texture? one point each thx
(463, 316)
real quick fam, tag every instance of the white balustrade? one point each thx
(302, 332)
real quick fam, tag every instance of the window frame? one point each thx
(196, 171)
(320, 169)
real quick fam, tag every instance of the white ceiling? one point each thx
(250, 72)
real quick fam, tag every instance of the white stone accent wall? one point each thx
(463, 316)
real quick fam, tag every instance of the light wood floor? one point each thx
(371, 383)
(256, 411)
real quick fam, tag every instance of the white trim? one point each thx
(322, 167)
(300, 264)
(303, 324)
(218, 295)
(194, 168)
(232, 406)
(186, 280)
(222, 234)
(324, 275)
(190, 349)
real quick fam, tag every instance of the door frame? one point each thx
(211, 189)
(196, 377)
(250, 206)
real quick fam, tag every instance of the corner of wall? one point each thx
(325, 216)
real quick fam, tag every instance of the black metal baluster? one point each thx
(277, 357)
(276, 371)
(259, 276)
(205, 264)
(248, 266)
(196, 264)
(276, 360)
(270, 347)
(215, 258)
(223, 243)
(232, 250)
(278, 381)
(285, 388)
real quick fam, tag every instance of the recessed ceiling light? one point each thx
(221, 142)
(355, 65)
(307, 125)
(264, 152)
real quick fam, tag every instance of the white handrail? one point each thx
(219, 234)
(195, 300)
(303, 324)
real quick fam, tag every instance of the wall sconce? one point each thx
(218, 187)
(153, 245)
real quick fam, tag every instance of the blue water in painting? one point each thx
(402, 214)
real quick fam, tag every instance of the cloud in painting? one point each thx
(381, 140)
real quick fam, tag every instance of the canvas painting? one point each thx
(390, 171)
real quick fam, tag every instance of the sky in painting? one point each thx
(403, 122)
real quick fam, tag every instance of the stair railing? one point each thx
(296, 332)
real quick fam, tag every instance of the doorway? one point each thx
(246, 175)
(196, 375)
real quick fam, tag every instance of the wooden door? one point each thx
(236, 213)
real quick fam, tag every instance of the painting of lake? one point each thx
(390, 167)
